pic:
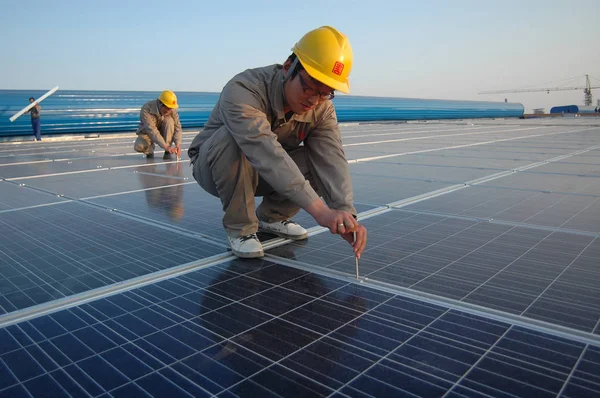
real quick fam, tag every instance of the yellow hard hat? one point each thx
(169, 99)
(326, 55)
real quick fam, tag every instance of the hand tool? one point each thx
(355, 257)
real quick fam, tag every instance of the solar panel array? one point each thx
(480, 278)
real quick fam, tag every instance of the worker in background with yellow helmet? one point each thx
(159, 125)
(274, 133)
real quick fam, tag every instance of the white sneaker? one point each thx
(246, 246)
(285, 229)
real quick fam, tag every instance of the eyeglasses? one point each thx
(311, 92)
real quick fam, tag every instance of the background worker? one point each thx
(159, 125)
(274, 133)
(35, 120)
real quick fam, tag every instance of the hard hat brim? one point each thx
(326, 80)
(170, 107)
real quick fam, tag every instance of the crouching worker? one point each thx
(274, 133)
(159, 125)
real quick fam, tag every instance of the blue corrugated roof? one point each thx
(104, 111)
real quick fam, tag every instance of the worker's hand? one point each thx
(178, 148)
(361, 240)
(338, 221)
(172, 149)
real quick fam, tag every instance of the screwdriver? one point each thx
(355, 257)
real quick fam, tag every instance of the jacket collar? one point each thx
(155, 108)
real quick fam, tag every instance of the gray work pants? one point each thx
(144, 142)
(223, 170)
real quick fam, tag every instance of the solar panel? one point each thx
(378, 190)
(69, 164)
(488, 288)
(547, 183)
(496, 266)
(404, 173)
(95, 182)
(185, 206)
(13, 196)
(329, 336)
(579, 213)
(55, 251)
(570, 168)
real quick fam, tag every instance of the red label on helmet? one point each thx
(338, 68)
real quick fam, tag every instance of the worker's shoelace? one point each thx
(248, 237)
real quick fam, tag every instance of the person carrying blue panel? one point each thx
(274, 133)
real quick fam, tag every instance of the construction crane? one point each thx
(587, 90)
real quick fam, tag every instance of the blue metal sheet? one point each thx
(351, 108)
(565, 109)
(106, 111)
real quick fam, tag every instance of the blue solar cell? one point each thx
(208, 374)
(7, 342)
(248, 389)
(109, 333)
(231, 320)
(102, 373)
(69, 345)
(143, 356)
(159, 386)
(68, 384)
(82, 379)
(7, 379)
(54, 353)
(276, 339)
(93, 339)
(284, 382)
(126, 363)
(41, 358)
(166, 343)
(330, 362)
(45, 386)
(68, 320)
(483, 380)
(129, 390)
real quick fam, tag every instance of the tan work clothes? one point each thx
(248, 148)
(157, 129)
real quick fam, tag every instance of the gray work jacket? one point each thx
(250, 108)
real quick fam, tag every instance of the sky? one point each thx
(414, 49)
